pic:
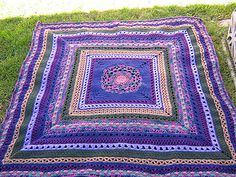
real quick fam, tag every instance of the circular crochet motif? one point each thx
(121, 79)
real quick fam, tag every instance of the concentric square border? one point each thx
(74, 111)
(175, 149)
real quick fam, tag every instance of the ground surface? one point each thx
(16, 33)
(26, 8)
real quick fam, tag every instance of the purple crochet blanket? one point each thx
(120, 98)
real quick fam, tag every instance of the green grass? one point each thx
(16, 33)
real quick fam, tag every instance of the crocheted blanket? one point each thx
(128, 98)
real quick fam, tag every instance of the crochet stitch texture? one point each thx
(128, 98)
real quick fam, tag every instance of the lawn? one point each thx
(16, 33)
